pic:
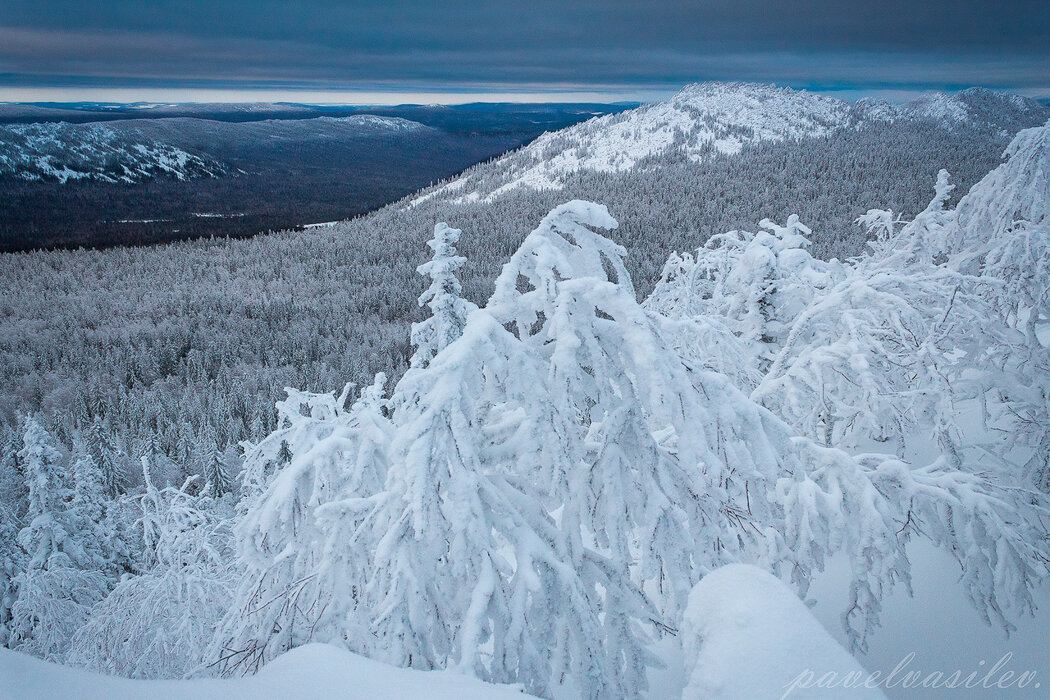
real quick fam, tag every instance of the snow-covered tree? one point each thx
(158, 624)
(87, 514)
(559, 475)
(63, 577)
(1002, 237)
(470, 569)
(13, 487)
(13, 504)
(903, 341)
(48, 495)
(563, 396)
(107, 457)
(301, 570)
(12, 563)
(215, 470)
(448, 309)
(747, 285)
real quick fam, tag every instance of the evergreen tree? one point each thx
(449, 310)
(14, 489)
(63, 578)
(284, 455)
(48, 496)
(106, 455)
(12, 564)
(216, 471)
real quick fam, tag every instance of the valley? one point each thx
(140, 178)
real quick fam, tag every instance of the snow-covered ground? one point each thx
(739, 614)
(938, 630)
(312, 671)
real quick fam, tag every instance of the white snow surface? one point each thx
(745, 634)
(311, 671)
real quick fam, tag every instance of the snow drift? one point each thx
(739, 614)
(312, 671)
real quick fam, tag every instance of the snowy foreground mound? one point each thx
(740, 613)
(311, 671)
(735, 614)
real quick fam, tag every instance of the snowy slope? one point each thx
(312, 671)
(747, 635)
(711, 118)
(182, 148)
(977, 106)
(63, 152)
(701, 119)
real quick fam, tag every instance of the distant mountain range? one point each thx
(101, 174)
(131, 151)
(90, 174)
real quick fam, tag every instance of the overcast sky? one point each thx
(607, 49)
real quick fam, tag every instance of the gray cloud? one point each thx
(466, 42)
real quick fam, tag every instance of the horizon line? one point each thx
(377, 97)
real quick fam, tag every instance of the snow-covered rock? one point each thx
(312, 671)
(746, 635)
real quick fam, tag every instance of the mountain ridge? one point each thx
(708, 118)
(129, 151)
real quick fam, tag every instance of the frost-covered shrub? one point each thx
(299, 567)
(158, 624)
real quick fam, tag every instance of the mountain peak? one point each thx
(705, 119)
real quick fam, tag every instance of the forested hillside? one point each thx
(181, 347)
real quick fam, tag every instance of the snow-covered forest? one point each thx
(185, 345)
(543, 461)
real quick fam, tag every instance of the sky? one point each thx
(462, 50)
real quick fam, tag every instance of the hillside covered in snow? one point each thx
(708, 118)
(137, 150)
(98, 175)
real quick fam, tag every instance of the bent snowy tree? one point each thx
(558, 474)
